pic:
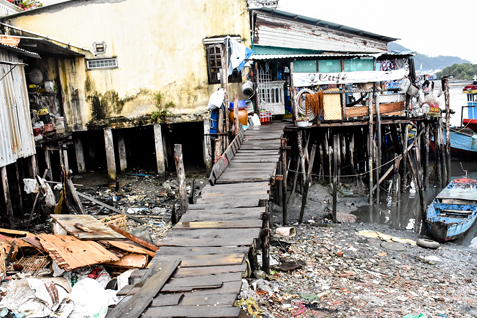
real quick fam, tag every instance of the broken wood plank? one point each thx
(134, 306)
(113, 209)
(218, 225)
(190, 299)
(136, 239)
(129, 247)
(192, 312)
(71, 253)
(198, 271)
(97, 229)
(206, 260)
(195, 251)
(130, 261)
(167, 300)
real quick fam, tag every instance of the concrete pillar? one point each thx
(207, 145)
(123, 163)
(65, 160)
(49, 174)
(161, 168)
(109, 147)
(79, 154)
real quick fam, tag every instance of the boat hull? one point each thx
(453, 211)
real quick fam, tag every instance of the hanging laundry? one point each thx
(237, 54)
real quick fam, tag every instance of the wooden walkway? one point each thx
(214, 237)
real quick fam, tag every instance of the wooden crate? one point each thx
(118, 221)
(390, 109)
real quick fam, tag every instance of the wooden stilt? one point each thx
(379, 149)
(80, 163)
(218, 148)
(123, 161)
(442, 154)
(265, 237)
(445, 88)
(370, 152)
(224, 81)
(33, 167)
(236, 115)
(307, 183)
(207, 146)
(291, 199)
(17, 187)
(65, 159)
(49, 175)
(300, 152)
(182, 179)
(426, 156)
(335, 178)
(284, 186)
(161, 168)
(405, 138)
(6, 195)
(109, 147)
(437, 160)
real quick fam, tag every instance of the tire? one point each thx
(428, 243)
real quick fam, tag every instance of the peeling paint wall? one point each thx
(159, 48)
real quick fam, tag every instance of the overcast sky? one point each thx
(429, 27)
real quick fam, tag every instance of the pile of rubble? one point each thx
(363, 270)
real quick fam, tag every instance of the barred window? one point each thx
(96, 64)
(214, 65)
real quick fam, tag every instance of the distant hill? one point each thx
(429, 63)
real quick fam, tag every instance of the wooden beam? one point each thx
(135, 239)
(161, 167)
(307, 183)
(80, 163)
(207, 146)
(109, 147)
(181, 178)
(123, 162)
(6, 195)
(49, 174)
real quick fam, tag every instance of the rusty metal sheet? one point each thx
(16, 133)
(70, 253)
(99, 231)
(276, 31)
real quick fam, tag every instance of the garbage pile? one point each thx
(74, 272)
(361, 270)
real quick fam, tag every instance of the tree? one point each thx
(465, 71)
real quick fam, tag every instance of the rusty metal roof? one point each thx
(19, 51)
(332, 25)
(316, 56)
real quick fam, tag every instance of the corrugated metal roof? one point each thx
(16, 133)
(294, 56)
(19, 51)
(330, 24)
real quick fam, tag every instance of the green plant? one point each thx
(162, 112)
(30, 4)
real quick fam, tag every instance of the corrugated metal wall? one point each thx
(16, 133)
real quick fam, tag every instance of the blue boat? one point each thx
(454, 210)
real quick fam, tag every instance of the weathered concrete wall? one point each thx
(159, 48)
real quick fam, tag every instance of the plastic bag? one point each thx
(418, 316)
(216, 99)
(31, 186)
(90, 299)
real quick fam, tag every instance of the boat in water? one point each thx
(453, 211)
(463, 140)
(471, 109)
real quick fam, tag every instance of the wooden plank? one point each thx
(130, 261)
(162, 300)
(135, 239)
(199, 271)
(251, 201)
(190, 299)
(134, 306)
(194, 251)
(206, 260)
(212, 233)
(129, 247)
(192, 312)
(181, 241)
(245, 203)
(218, 225)
(99, 230)
(71, 253)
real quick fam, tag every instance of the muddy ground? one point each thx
(340, 273)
